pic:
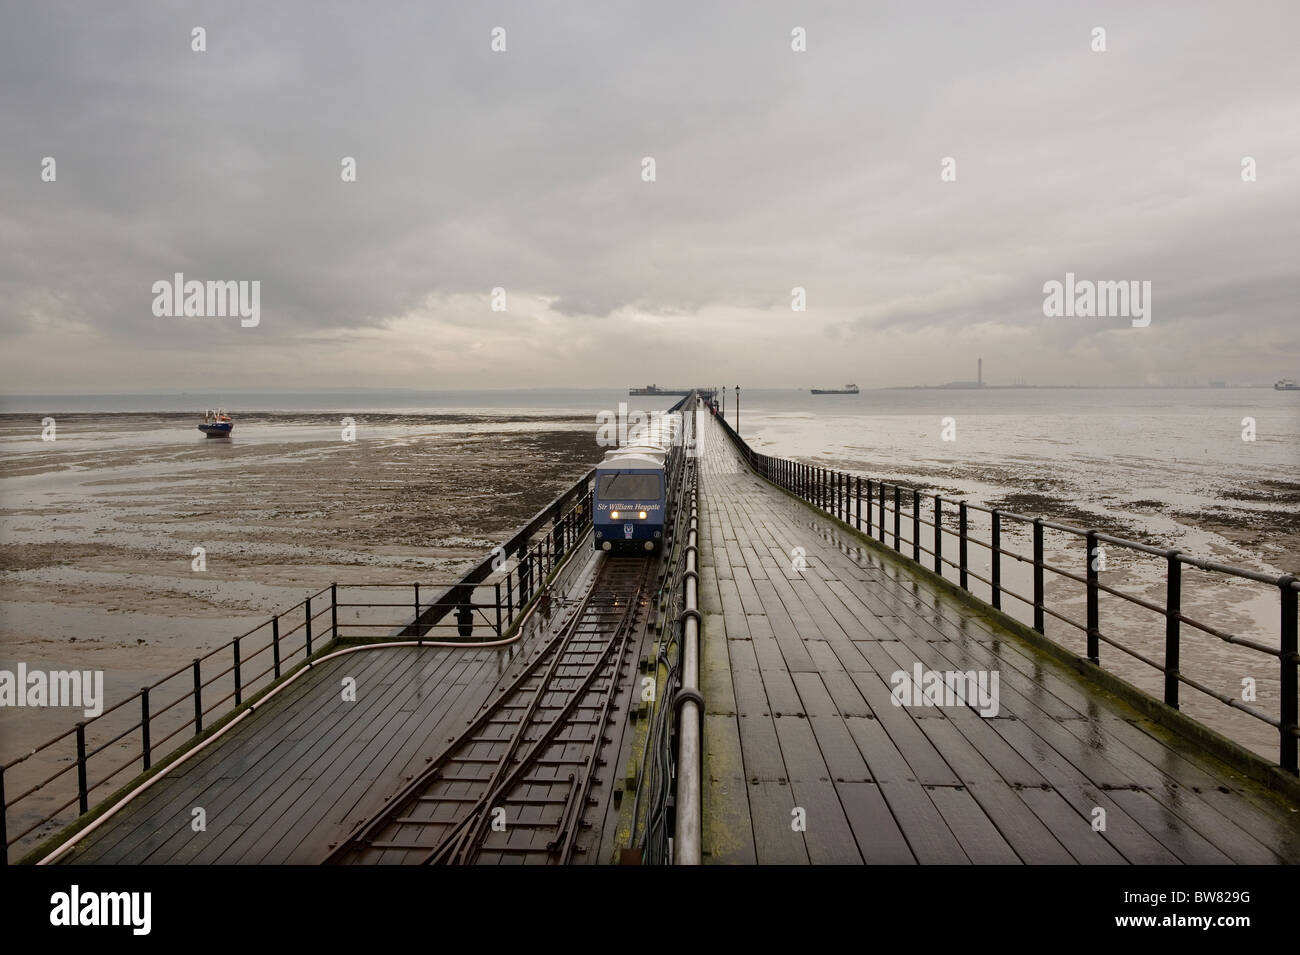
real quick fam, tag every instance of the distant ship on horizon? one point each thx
(1286, 384)
(656, 390)
(846, 390)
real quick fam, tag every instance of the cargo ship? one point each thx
(846, 390)
(1286, 384)
(656, 390)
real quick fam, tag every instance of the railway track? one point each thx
(515, 786)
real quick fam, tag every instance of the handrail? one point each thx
(492, 594)
(841, 495)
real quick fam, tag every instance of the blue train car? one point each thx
(629, 505)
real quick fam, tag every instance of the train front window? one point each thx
(629, 487)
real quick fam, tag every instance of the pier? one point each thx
(788, 683)
(800, 715)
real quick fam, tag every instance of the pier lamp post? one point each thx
(737, 409)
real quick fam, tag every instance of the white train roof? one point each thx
(638, 449)
(623, 460)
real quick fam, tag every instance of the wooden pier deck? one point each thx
(298, 774)
(795, 673)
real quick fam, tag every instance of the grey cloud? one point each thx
(775, 169)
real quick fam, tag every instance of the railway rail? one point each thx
(516, 786)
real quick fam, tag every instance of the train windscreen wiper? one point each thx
(631, 486)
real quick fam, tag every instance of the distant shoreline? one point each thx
(1073, 387)
(388, 392)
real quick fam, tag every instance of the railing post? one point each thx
(198, 698)
(995, 558)
(1039, 618)
(510, 600)
(416, 587)
(239, 685)
(1289, 716)
(857, 502)
(525, 564)
(334, 611)
(1094, 611)
(1173, 626)
(83, 794)
(146, 750)
(870, 491)
(307, 604)
(961, 545)
(916, 525)
(498, 601)
(898, 516)
(275, 644)
(882, 512)
(938, 534)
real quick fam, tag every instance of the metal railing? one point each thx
(655, 814)
(882, 510)
(104, 752)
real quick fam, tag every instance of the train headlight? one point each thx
(613, 515)
(641, 514)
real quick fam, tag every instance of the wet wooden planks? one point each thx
(806, 754)
(307, 766)
(292, 777)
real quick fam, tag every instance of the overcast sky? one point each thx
(523, 169)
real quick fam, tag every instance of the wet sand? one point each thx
(97, 528)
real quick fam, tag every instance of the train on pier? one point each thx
(631, 504)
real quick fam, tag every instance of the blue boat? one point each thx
(217, 424)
